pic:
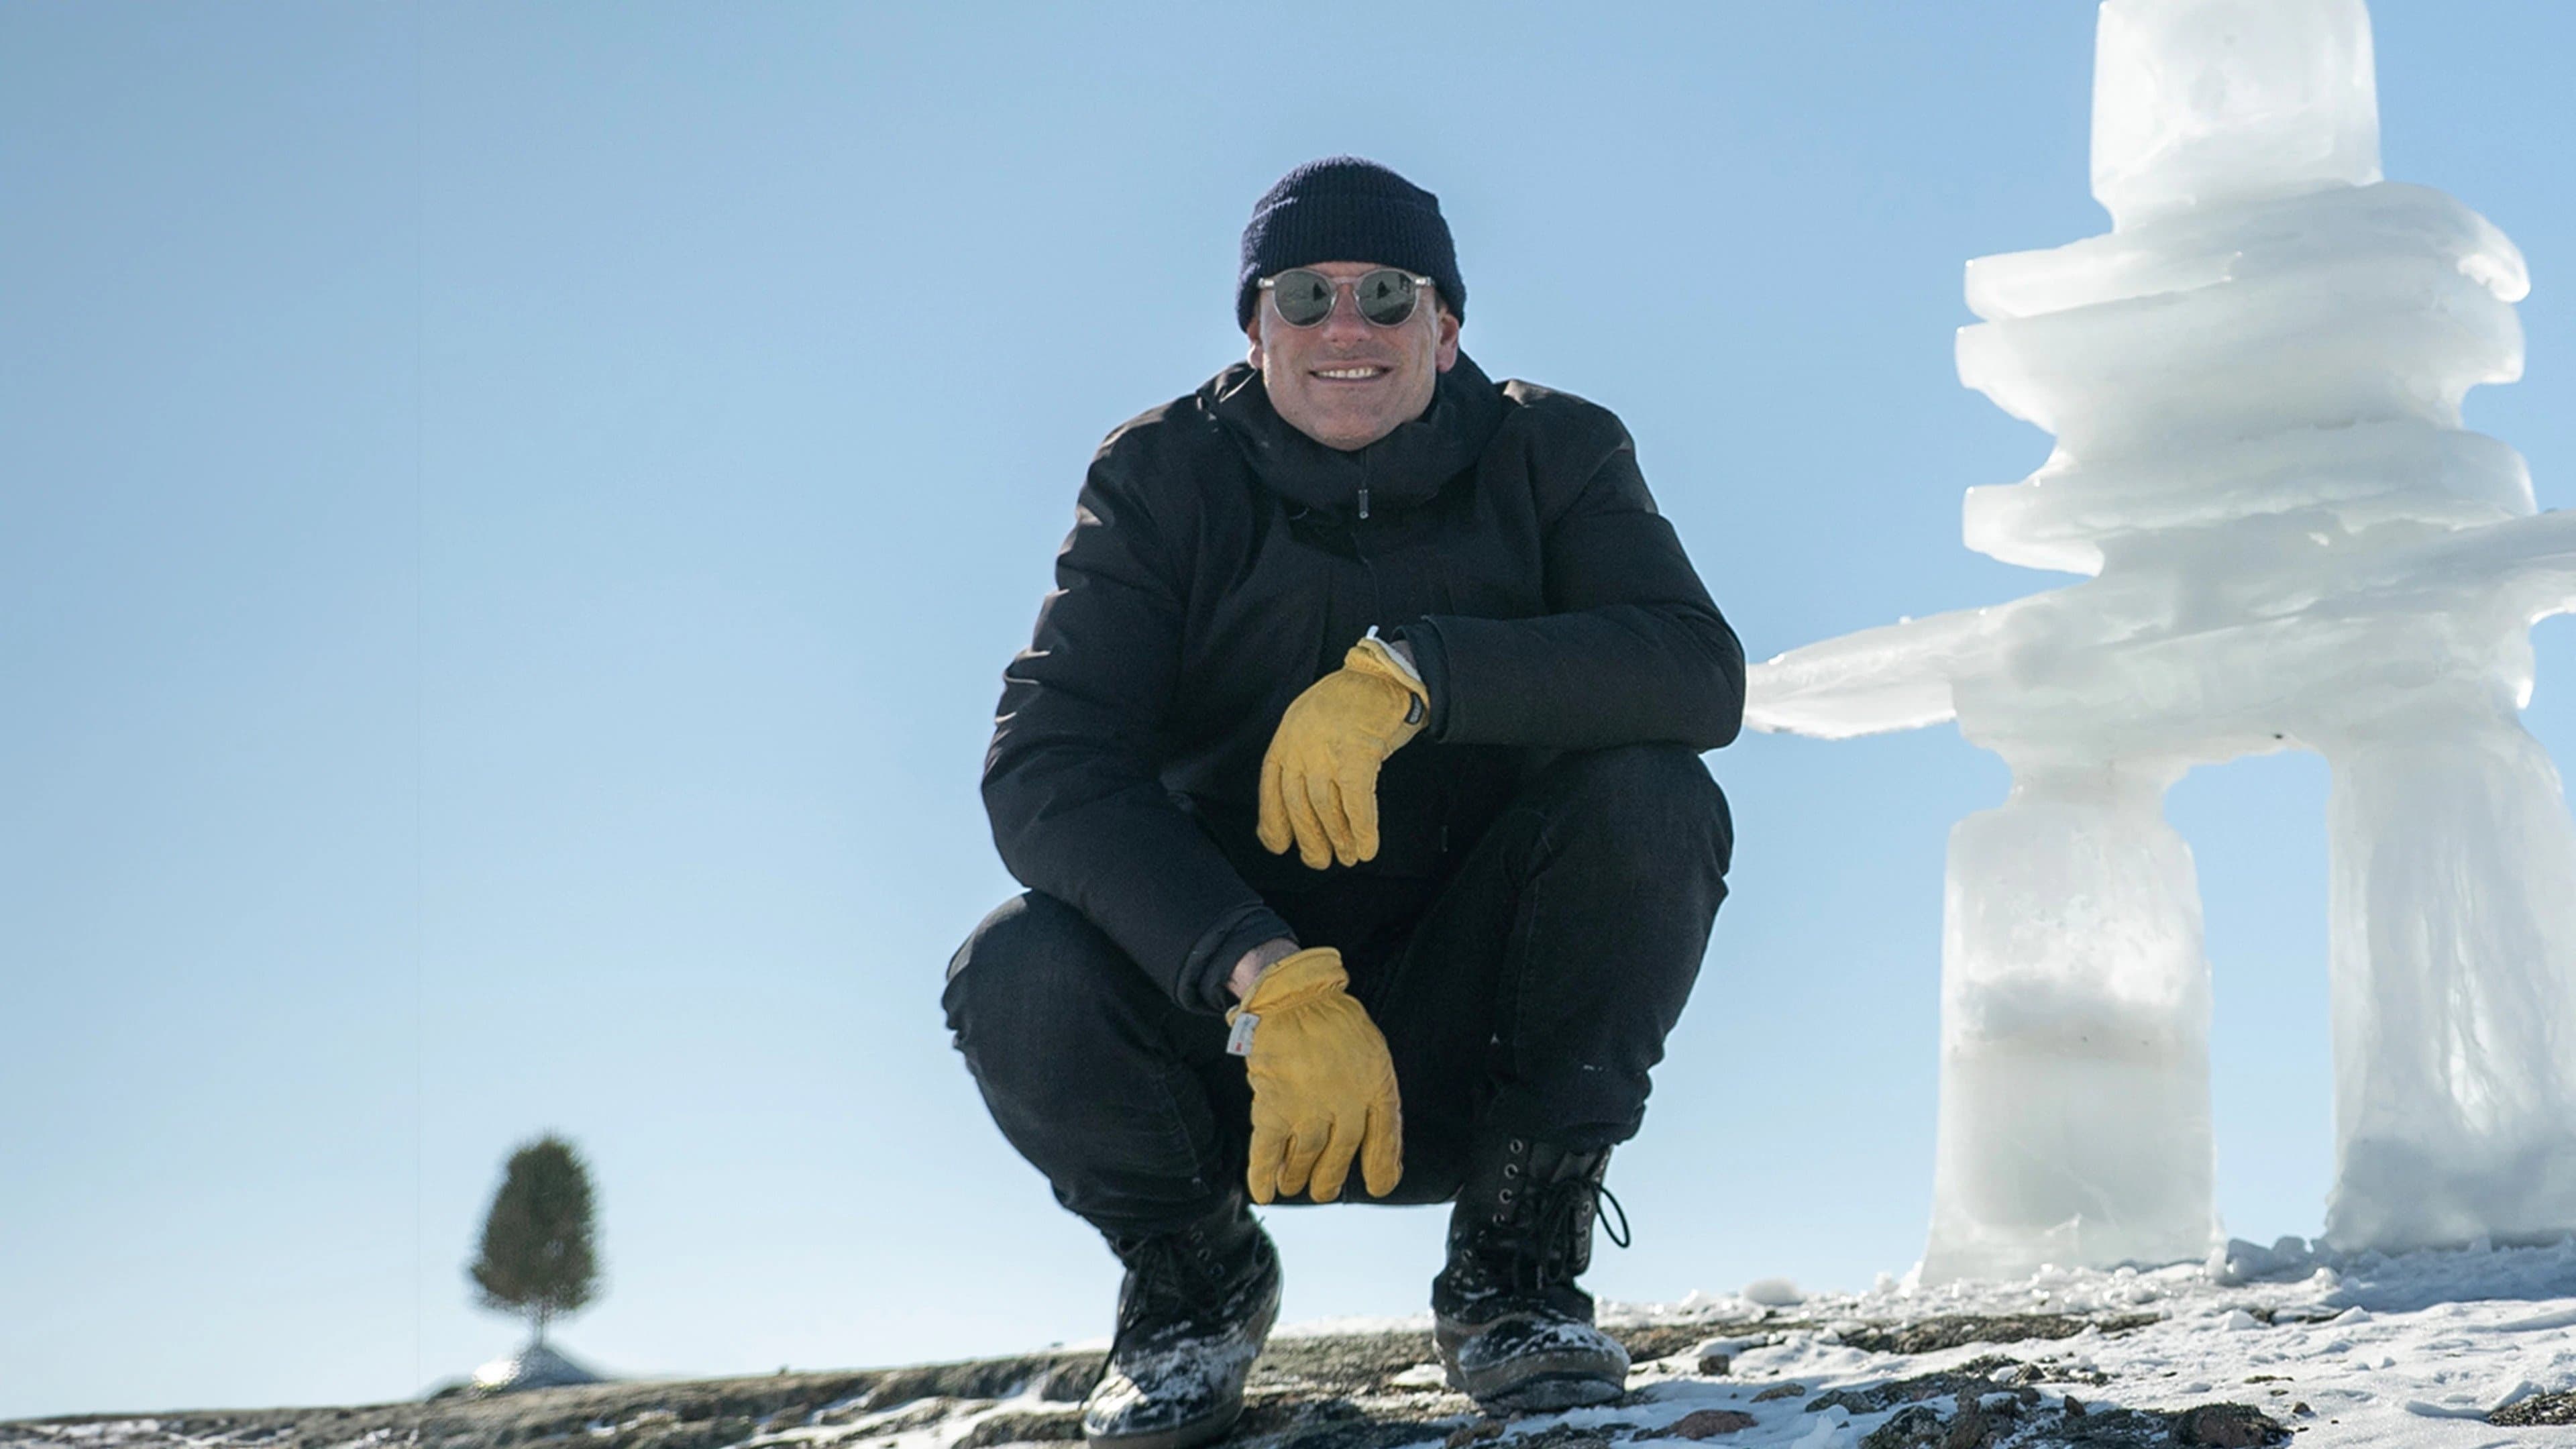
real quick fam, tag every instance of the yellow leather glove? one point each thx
(1319, 779)
(1323, 1087)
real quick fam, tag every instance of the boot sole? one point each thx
(1533, 1383)
(1178, 1436)
(1553, 1391)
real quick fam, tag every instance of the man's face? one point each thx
(1346, 382)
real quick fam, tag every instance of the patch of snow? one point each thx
(2384, 1349)
(1773, 1293)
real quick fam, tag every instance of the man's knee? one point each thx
(1033, 970)
(1657, 800)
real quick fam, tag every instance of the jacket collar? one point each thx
(1401, 470)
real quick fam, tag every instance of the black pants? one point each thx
(1529, 993)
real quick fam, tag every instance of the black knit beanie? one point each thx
(1344, 209)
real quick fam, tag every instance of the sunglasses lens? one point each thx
(1386, 296)
(1303, 298)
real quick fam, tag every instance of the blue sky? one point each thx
(511, 518)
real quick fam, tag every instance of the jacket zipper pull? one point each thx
(1364, 500)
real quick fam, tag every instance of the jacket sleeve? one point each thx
(1634, 652)
(1078, 808)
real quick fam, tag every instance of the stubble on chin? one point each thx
(1351, 430)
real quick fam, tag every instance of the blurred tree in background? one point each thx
(538, 1256)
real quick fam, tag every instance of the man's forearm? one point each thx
(1585, 679)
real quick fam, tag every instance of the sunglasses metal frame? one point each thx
(1339, 285)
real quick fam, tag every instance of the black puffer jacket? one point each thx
(1221, 561)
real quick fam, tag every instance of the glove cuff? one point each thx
(1311, 972)
(1372, 657)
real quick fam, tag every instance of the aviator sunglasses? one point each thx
(1305, 297)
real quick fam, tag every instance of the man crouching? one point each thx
(1354, 598)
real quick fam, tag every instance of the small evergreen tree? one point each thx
(537, 1256)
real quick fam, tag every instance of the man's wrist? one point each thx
(1255, 961)
(1401, 651)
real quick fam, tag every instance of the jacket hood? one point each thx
(1403, 469)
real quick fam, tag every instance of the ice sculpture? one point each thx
(2254, 381)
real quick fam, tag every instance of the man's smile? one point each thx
(1350, 374)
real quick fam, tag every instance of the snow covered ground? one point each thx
(2411, 1350)
(2415, 1350)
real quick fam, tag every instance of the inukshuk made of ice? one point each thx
(2255, 385)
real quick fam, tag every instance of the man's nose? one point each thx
(1344, 323)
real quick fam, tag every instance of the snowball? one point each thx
(1773, 1293)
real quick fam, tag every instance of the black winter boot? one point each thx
(1513, 1330)
(1192, 1316)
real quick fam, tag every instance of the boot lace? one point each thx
(1177, 1283)
(1543, 1242)
(1566, 1213)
